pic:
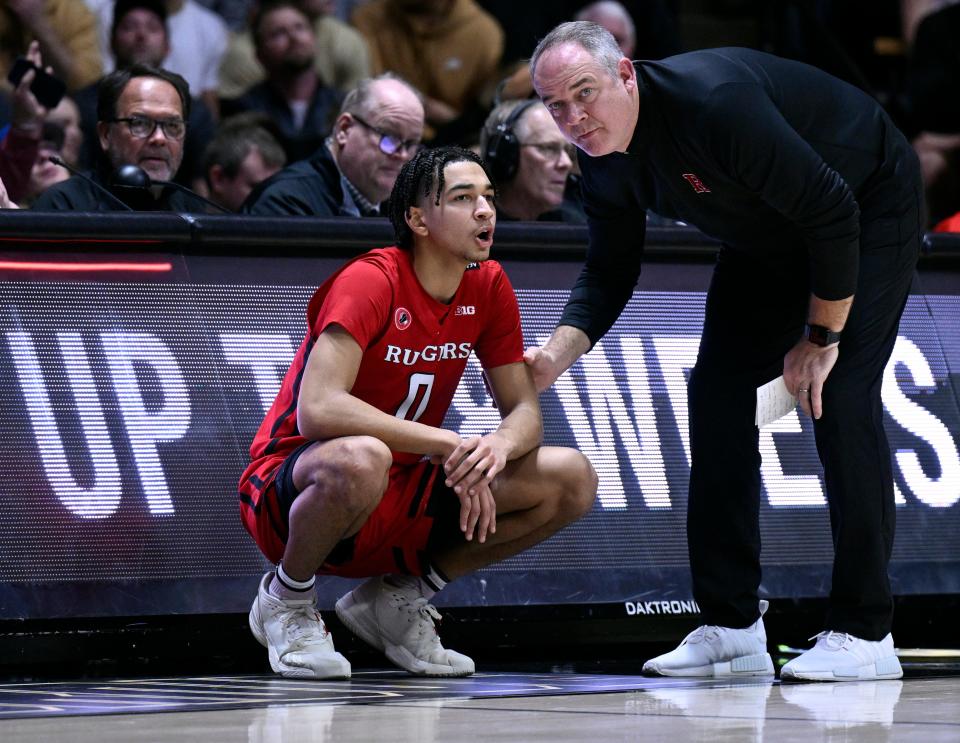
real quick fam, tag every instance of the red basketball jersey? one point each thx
(415, 348)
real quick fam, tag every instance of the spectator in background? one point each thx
(615, 18)
(241, 155)
(933, 81)
(66, 115)
(141, 114)
(530, 161)
(35, 134)
(379, 128)
(198, 40)
(340, 56)
(655, 23)
(448, 49)
(235, 13)
(5, 201)
(20, 140)
(66, 30)
(610, 14)
(44, 173)
(139, 34)
(293, 95)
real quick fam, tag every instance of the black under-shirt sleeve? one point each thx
(616, 231)
(751, 139)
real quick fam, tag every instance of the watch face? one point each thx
(821, 336)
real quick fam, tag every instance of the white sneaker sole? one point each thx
(356, 619)
(747, 665)
(883, 669)
(335, 669)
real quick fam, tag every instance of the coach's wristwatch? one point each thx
(819, 335)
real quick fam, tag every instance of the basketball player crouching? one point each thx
(351, 474)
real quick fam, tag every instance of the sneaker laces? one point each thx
(703, 633)
(425, 615)
(303, 625)
(833, 640)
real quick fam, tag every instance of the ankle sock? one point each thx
(432, 582)
(284, 587)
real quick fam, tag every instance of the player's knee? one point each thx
(354, 472)
(365, 463)
(578, 487)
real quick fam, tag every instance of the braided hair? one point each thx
(415, 182)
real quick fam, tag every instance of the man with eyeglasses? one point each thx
(532, 164)
(378, 129)
(139, 35)
(141, 121)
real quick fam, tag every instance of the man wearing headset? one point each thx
(531, 162)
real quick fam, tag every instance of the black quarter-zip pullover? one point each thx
(772, 157)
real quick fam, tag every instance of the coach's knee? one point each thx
(577, 486)
(354, 473)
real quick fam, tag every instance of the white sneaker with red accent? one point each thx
(839, 656)
(713, 651)
(295, 636)
(390, 614)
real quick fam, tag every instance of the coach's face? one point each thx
(596, 111)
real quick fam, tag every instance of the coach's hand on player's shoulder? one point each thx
(544, 366)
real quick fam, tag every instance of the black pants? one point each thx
(755, 313)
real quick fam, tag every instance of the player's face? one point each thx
(464, 221)
(595, 111)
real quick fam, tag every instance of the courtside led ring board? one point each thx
(130, 390)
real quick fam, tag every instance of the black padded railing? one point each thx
(190, 233)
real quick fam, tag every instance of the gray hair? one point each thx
(358, 99)
(594, 38)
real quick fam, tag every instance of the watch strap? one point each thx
(820, 335)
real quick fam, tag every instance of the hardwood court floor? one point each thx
(389, 706)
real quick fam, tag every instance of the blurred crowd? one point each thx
(311, 107)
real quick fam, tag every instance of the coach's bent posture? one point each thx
(351, 473)
(816, 198)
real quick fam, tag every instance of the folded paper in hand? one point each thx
(773, 402)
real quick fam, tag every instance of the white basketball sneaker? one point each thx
(712, 651)
(839, 656)
(295, 636)
(390, 614)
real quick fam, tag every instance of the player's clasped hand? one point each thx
(470, 469)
